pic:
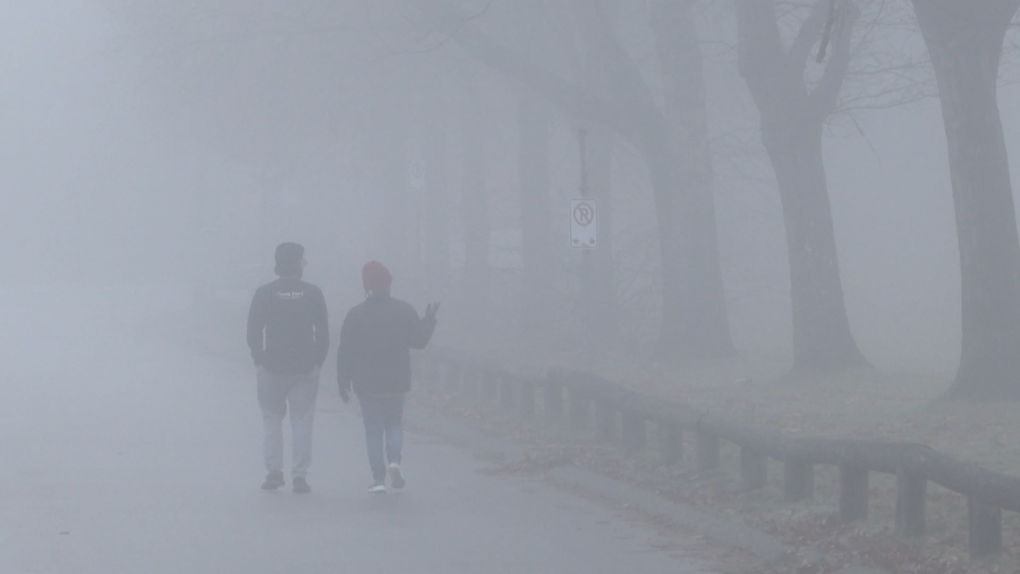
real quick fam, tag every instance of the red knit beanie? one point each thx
(376, 277)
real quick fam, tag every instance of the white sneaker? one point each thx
(396, 477)
(377, 488)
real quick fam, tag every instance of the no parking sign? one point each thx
(584, 223)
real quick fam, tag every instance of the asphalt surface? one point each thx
(126, 453)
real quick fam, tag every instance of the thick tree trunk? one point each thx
(207, 218)
(475, 202)
(696, 322)
(603, 314)
(435, 255)
(791, 128)
(708, 329)
(822, 342)
(533, 117)
(965, 44)
(395, 221)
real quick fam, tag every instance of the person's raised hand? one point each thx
(430, 311)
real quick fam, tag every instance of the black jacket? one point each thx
(375, 343)
(288, 330)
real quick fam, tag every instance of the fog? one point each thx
(157, 152)
(148, 144)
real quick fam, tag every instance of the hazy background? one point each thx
(127, 159)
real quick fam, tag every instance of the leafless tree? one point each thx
(694, 321)
(965, 41)
(793, 114)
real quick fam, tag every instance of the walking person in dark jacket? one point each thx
(374, 361)
(288, 333)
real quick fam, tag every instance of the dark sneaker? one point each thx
(301, 485)
(396, 477)
(273, 481)
(377, 488)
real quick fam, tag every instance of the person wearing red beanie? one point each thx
(374, 361)
(376, 277)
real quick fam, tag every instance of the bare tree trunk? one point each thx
(694, 323)
(822, 341)
(436, 223)
(475, 201)
(700, 326)
(206, 219)
(965, 43)
(791, 126)
(603, 315)
(533, 117)
(393, 212)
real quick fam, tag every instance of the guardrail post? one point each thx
(671, 443)
(605, 426)
(798, 480)
(508, 391)
(635, 435)
(753, 468)
(708, 451)
(578, 410)
(526, 398)
(910, 491)
(553, 403)
(853, 493)
(984, 528)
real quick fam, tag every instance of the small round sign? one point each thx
(584, 214)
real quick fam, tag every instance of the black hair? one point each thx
(288, 259)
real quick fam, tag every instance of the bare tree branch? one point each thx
(826, 92)
(808, 34)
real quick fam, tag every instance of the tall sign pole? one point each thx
(585, 215)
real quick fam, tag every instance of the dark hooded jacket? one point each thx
(375, 342)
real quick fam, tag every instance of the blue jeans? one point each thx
(384, 430)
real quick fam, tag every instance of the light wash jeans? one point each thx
(384, 430)
(276, 394)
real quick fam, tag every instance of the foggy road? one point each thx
(126, 453)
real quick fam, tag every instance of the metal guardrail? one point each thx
(589, 403)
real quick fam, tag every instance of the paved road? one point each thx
(124, 453)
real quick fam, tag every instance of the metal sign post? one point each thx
(584, 220)
(584, 226)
